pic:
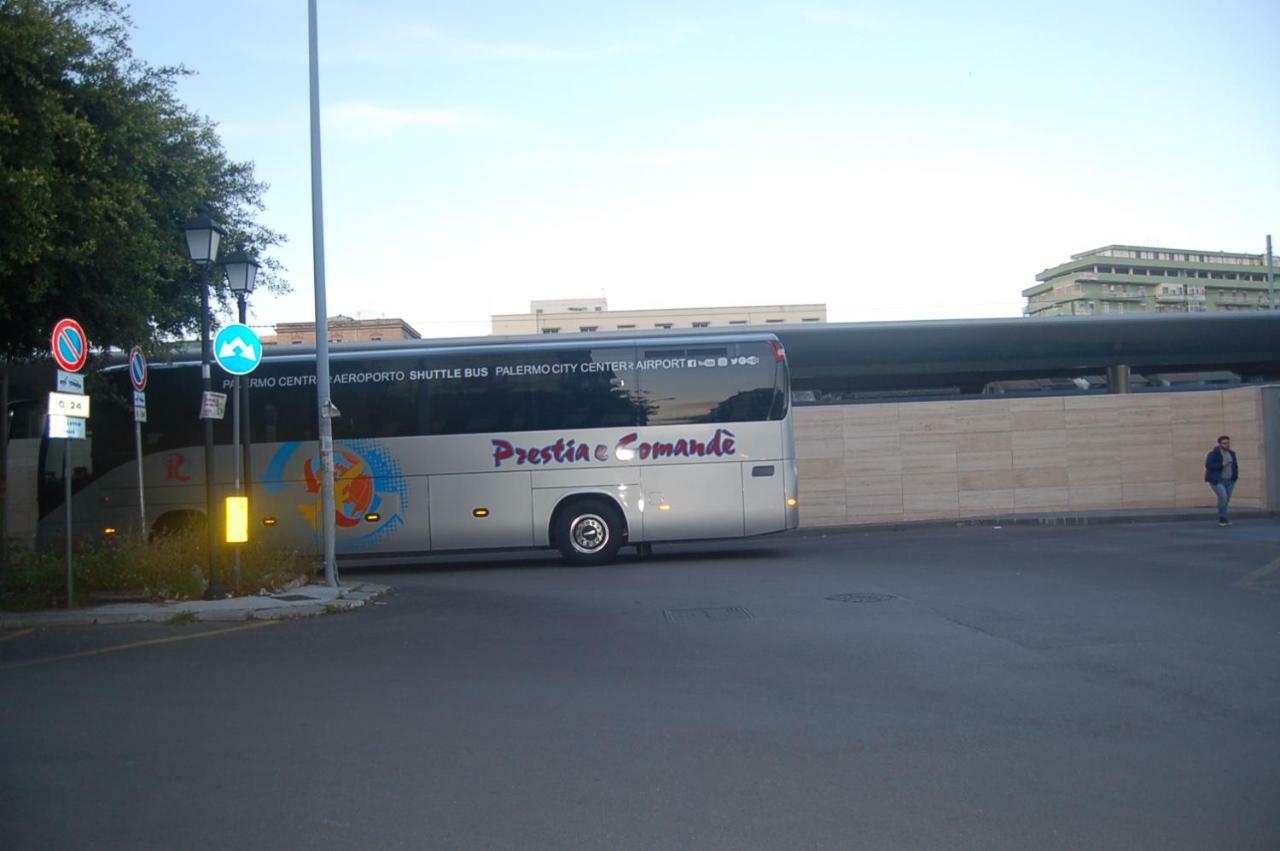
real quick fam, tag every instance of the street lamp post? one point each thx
(242, 273)
(203, 235)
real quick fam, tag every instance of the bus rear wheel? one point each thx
(589, 532)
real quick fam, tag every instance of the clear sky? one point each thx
(891, 160)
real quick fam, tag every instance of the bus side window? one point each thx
(477, 403)
(721, 384)
(376, 409)
(285, 411)
(268, 421)
(596, 392)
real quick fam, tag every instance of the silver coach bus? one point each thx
(583, 444)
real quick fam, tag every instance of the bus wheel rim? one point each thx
(589, 533)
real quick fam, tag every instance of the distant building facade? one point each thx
(342, 329)
(1145, 279)
(580, 316)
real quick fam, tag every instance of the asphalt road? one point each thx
(1027, 687)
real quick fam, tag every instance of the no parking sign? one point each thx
(70, 345)
(138, 369)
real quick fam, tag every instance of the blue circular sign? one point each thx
(237, 349)
(138, 369)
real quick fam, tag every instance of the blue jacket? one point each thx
(1213, 466)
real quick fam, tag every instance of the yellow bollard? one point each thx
(237, 519)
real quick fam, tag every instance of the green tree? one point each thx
(100, 165)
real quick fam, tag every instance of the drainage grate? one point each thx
(294, 598)
(861, 598)
(721, 613)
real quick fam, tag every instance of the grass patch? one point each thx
(183, 618)
(168, 567)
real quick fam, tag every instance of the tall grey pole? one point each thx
(214, 590)
(235, 451)
(1271, 277)
(235, 434)
(142, 496)
(66, 477)
(323, 402)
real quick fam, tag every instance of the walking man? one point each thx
(1222, 471)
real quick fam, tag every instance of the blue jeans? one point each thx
(1223, 491)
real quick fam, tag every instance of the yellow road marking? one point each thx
(133, 646)
(18, 634)
(1251, 582)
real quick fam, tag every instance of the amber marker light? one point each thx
(109, 530)
(664, 507)
(479, 512)
(372, 517)
(237, 511)
(269, 521)
(792, 502)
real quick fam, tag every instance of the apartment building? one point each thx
(1146, 279)
(578, 316)
(342, 329)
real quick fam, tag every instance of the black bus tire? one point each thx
(588, 531)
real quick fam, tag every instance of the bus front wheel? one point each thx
(589, 532)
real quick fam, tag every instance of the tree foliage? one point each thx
(100, 164)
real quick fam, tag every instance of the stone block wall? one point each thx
(896, 462)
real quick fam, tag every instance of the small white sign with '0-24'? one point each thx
(68, 405)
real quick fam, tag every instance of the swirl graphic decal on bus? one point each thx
(569, 451)
(366, 480)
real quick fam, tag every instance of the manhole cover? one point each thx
(721, 613)
(861, 598)
(294, 598)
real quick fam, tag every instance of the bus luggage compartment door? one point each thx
(684, 501)
(481, 510)
(764, 504)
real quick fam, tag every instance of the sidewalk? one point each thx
(301, 602)
(1066, 518)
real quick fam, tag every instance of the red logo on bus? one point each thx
(177, 467)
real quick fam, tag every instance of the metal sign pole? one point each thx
(69, 409)
(138, 378)
(1271, 277)
(66, 475)
(235, 444)
(142, 499)
(247, 437)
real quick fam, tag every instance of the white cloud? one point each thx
(542, 53)
(519, 50)
(407, 44)
(843, 17)
(377, 119)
